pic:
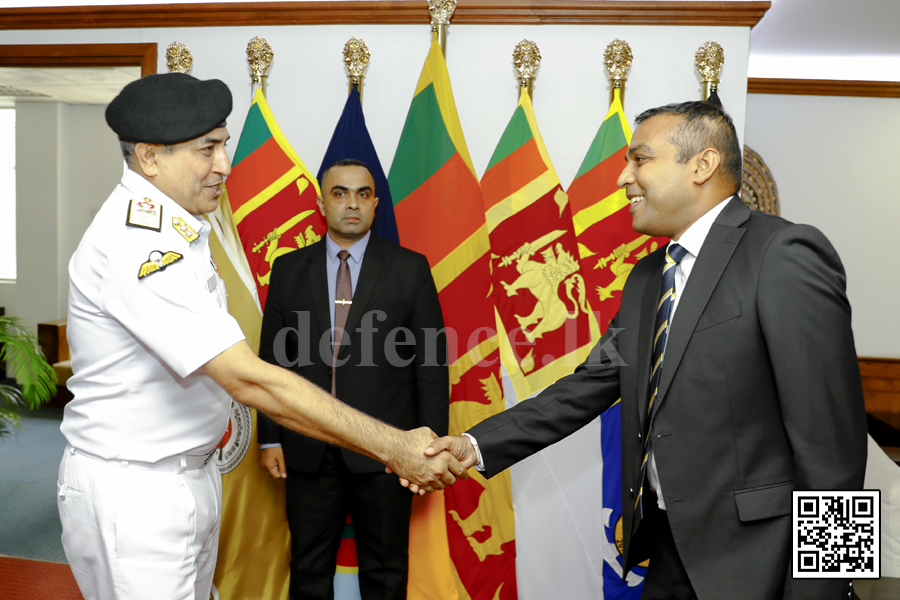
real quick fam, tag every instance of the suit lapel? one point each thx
(368, 277)
(716, 252)
(317, 275)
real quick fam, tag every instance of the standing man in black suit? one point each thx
(391, 364)
(744, 377)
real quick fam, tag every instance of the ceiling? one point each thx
(97, 85)
(828, 39)
(803, 39)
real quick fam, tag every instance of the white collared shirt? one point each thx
(691, 240)
(138, 343)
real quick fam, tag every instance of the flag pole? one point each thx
(259, 55)
(617, 57)
(179, 58)
(356, 57)
(709, 59)
(441, 11)
(527, 59)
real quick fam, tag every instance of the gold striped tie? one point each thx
(674, 254)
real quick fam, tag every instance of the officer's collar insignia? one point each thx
(184, 229)
(158, 261)
(145, 214)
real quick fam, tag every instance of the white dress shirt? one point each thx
(691, 240)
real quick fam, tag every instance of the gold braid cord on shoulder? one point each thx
(758, 189)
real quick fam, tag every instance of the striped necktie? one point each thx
(674, 254)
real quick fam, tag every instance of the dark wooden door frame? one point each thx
(80, 55)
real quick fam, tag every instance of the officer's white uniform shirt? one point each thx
(138, 342)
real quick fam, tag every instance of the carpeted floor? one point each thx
(23, 579)
(29, 460)
(32, 563)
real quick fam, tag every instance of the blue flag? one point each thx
(351, 140)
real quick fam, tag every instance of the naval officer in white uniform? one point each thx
(156, 359)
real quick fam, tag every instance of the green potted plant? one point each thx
(35, 377)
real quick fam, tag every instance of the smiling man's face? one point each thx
(193, 174)
(658, 187)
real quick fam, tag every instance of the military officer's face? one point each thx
(348, 202)
(193, 174)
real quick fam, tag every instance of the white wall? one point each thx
(90, 166)
(37, 215)
(834, 160)
(67, 164)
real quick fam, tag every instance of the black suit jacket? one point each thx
(760, 395)
(400, 378)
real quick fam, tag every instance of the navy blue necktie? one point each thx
(674, 254)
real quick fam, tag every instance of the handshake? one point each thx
(424, 462)
(438, 465)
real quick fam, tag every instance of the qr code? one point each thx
(837, 534)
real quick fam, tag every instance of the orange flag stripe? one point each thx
(512, 173)
(596, 183)
(257, 171)
(418, 216)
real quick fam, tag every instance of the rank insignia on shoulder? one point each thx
(158, 261)
(186, 231)
(145, 214)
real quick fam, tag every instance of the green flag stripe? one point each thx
(516, 134)
(425, 146)
(609, 140)
(255, 134)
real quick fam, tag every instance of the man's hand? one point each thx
(459, 446)
(448, 450)
(273, 461)
(421, 473)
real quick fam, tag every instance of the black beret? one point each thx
(168, 108)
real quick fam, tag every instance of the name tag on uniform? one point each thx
(211, 283)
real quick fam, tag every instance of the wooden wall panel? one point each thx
(80, 55)
(881, 384)
(824, 87)
(221, 14)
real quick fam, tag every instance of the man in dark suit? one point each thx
(744, 376)
(391, 364)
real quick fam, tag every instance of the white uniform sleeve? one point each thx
(172, 312)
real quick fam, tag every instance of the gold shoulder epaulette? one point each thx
(186, 231)
(145, 214)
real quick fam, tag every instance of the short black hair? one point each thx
(704, 125)
(346, 162)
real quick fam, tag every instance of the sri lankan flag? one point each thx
(439, 212)
(272, 195)
(608, 246)
(543, 315)
(254, 543)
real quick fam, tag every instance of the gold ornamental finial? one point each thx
(179, 58)
(709, 59)
(441, 11)
(259, 54)
(617, 57)
(527, 59)
(356, 57)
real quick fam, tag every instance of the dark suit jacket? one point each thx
(387, 374)
(760, 395)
